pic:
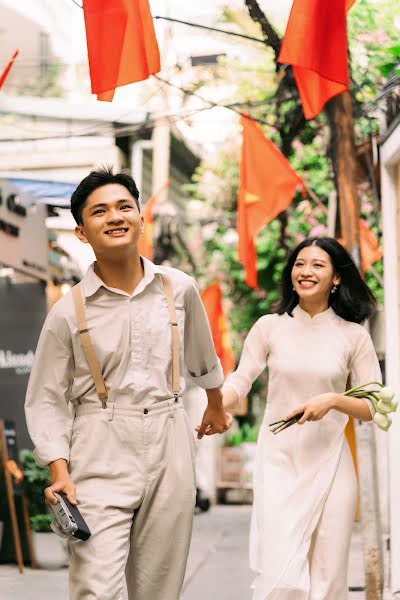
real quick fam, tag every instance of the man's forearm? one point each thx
(214, 396)
(58, 469)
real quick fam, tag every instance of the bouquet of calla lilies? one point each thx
(382, 400)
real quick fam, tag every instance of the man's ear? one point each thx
(141, 224)
(80, 234)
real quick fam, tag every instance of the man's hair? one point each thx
(96, 179)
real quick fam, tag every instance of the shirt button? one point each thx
(146, 410)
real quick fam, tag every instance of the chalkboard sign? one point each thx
(10, 436)
(13, 476)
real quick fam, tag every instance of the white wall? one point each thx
(390, 170)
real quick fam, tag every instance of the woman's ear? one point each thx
(337, 280)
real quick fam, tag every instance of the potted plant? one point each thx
(50, 550)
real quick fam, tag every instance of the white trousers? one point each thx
(324, 569)
(134, 475)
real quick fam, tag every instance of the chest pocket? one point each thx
(159, 335)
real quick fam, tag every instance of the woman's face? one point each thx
(312, 275)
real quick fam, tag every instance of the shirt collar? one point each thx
(305, 317)
(92, 282)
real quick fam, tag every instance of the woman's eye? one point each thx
(99, 210)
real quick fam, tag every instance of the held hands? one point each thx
(60, 482)
(215, 419)
(314, 409)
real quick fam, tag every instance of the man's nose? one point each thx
(114, 215)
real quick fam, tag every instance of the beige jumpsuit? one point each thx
(132, 462)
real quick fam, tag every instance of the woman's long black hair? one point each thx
(353, 300)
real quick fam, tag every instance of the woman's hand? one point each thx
(314, 409)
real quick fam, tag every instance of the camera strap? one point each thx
(90, 352)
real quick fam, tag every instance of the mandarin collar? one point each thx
(302, 315)
(91, 282)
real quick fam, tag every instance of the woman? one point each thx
(305, 485)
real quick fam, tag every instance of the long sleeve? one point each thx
(364, 366)
(48, 417)
(252, 362)
(201, 361)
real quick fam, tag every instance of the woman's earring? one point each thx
(333, 290)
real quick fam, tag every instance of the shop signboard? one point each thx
(23, 233)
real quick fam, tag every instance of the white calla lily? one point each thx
(384, 407)
(386, 394)
(382, 421)
(394, 404)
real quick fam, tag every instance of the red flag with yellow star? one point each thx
(267, 184)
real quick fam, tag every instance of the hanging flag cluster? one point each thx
(7, 68)
(212, 300)
(315, 44)
(145, 243)
(122, 45)
(267, 184)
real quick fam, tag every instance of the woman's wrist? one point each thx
(333, 401)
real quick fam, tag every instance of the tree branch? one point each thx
(272, 38)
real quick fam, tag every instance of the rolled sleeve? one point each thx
(48, 416)
(202, 363)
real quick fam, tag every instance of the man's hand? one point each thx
(314, 409)
(215, 419)
(60, 482)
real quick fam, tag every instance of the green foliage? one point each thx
(393, 66)
(41, 523)
(36, 480)
(245, 434)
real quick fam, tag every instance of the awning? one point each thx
(54, 193)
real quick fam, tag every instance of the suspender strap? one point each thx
(174, 331)
(87, 346)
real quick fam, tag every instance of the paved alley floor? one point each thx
(217, 567)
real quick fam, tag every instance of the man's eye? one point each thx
(126, 206)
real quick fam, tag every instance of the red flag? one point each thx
(122, 45)
(315, 44)
(145, 243)
(212, 300)
(267, 185)
(369, 246)
(7, 69)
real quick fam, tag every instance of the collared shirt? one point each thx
(131, 335)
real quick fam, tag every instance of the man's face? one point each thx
(111, 221)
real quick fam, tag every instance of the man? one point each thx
(126, 454)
